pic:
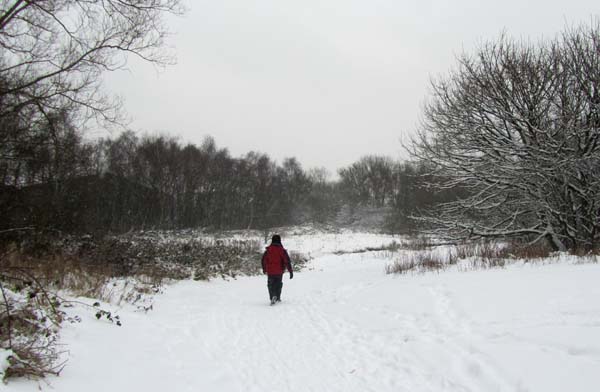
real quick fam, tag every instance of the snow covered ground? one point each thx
(344, 325)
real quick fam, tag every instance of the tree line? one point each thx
(152, 181)
(133, 182)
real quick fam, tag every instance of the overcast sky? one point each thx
(326, 81)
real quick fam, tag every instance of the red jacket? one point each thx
(276, 260)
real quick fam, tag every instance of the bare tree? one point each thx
(516, 127)
(369, 180)
(323, 201)
(52, 52)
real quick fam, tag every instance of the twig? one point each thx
(16, 229)
(7, 314)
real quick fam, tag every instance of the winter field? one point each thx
(346, 325)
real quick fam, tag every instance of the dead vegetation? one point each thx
(418, 262)
(32, 308)
(30, 318)
(421, 255)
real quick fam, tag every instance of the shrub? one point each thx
(482, 254)
(29, 323)
(420, 262)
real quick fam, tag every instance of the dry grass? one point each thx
(83, 279)
(585, 252)
(418, 243)
(476, 255)
(488, 254)
(419, 262)
(299, 260)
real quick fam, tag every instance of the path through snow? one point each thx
(345, 326)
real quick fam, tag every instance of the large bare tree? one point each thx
(516, 125)
(52, 52)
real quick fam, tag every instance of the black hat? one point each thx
(276, 239)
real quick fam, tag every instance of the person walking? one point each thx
(275, 261)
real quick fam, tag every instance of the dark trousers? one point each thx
(275, 283)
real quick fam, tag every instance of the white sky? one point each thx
(326, 81)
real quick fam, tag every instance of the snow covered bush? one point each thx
(30, 319)
(32, 274)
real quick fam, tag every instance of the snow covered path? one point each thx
(346, 326)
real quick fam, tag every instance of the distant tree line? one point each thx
(132, 182)
(404, 188)
(154, 181)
